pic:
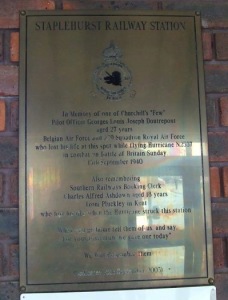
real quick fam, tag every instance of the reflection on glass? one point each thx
(165, 215)
(41, 182)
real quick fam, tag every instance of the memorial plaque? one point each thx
(114, 183)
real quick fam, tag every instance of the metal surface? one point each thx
(114, 184)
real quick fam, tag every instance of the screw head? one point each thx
(211, 281)
(22, 289)
(22, 12)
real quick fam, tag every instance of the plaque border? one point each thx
(25, 286)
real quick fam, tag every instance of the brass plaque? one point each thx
(114, 184)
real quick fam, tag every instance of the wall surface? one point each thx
(215, 45)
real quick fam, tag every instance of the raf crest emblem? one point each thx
(112, 78)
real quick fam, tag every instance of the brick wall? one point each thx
(215, 43)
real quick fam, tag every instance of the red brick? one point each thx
(13, 194)
(221, 286)
(225, 181)
(218, 146)
(2, 115)
(221, 42)
(215, 182)
(14, 260)
(1, 261)
(14, 46)
(1, 47)
(216, 78)
(9, 10)
(8, 80)
(1, 187)
(14, 116)
(211, 107)
(119, 4)
(224, 111)
(215, 23)
(9, 290)
(70, 5)
(219, 253)
(9, 224)
(8, 152)
(220, 220)
(207, 46)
